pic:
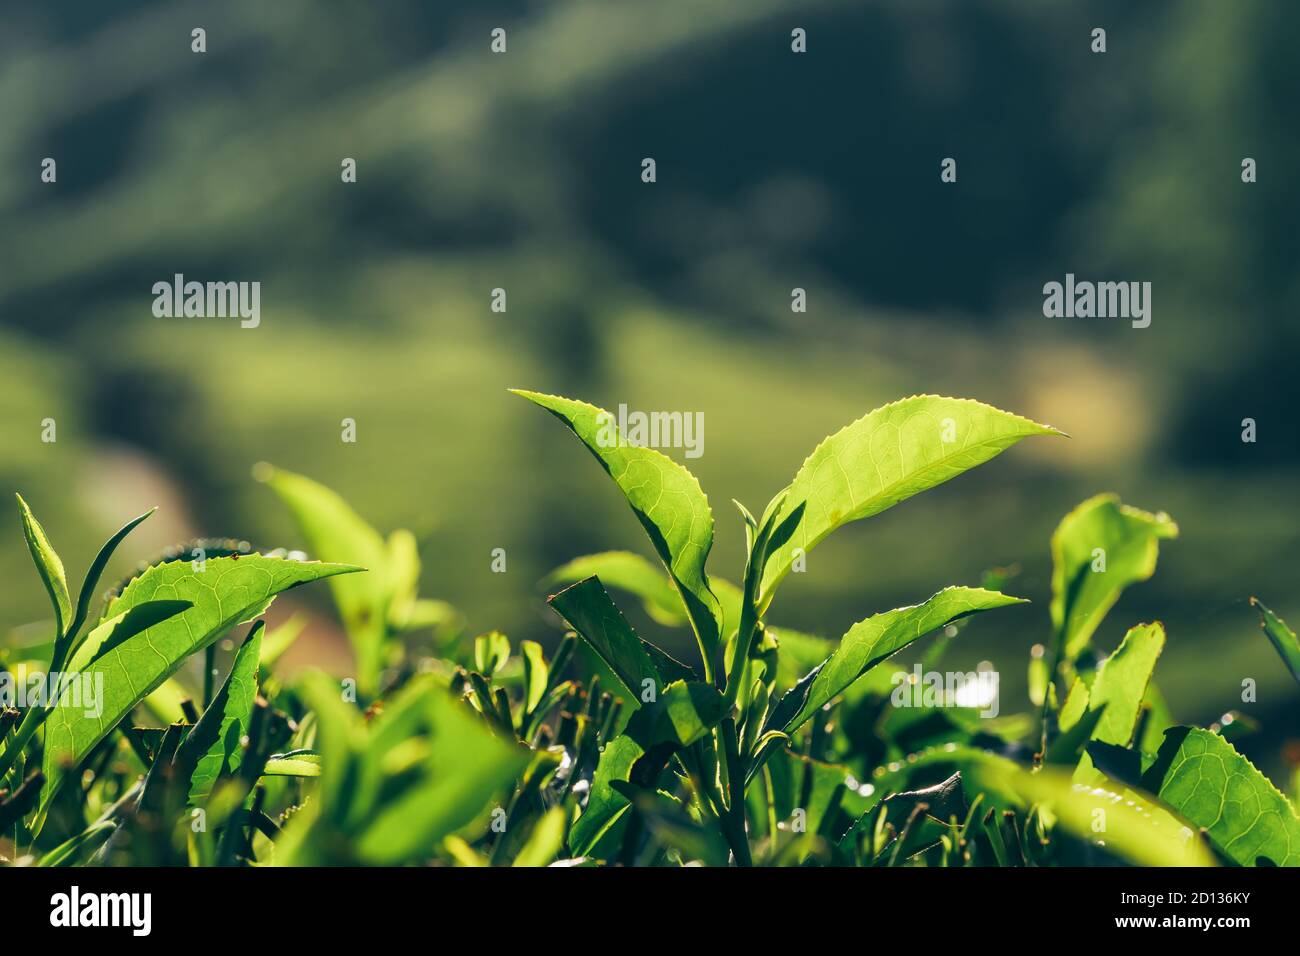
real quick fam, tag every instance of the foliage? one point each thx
(772, 747)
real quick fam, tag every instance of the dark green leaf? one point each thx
(588, 609)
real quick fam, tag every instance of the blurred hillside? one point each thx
(522, 171)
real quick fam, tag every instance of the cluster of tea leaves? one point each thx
(772, 746)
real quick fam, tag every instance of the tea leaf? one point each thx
(1121, 682)
(536, 674)
(1202, 777)
(1135, 828)
(213, 746)
(588, 609)
(605, 806)
(668, 502)
(869, 642)
(295, 763)
(545, 840)
(1283, 637)
(883, 458)
(335, 532)
(629, 572)
(229, 591)
(491, 651)
(683, 714)
(48, 566)
(1099, 548)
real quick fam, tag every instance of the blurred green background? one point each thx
(775, 170)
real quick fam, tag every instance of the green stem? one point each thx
(735, 821)
(32, 719)
(209, 665)
(769, 793)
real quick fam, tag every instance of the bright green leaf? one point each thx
(869, 642)
(545, 840)
(48, 566)
(605, 805)
(683, 714)
(1136, 828)
(229, 591)
(402, 567)
(335, 532)
(1283, 637)
(1121, 683)
(1118, 689)
(1099, 548)
(1202, 777)
(491, 651)
(214, 744)
(885, 457)
(295, 763)
(536, 674)
(667, 500)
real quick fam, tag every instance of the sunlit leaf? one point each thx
(214, 745)
(335, 532)
(1282, 637)
(48, 566)
(227, 592)
(545, 840)
(885, 457)
(869, 642)
(1135, 828)
(294, 763)
(1118, 689)
(1203, 778)
(1099, 549)
(667, 500)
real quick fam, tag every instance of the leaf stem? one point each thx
(735, 818)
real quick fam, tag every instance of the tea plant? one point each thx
(772, 746)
